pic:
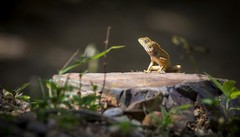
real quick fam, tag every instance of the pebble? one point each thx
(113, 112)
(196, 112)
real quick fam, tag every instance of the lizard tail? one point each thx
(175, 68)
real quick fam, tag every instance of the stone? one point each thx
(37, 127)
(136, 92)
(122, 89)
(113, 112)
(152, 119)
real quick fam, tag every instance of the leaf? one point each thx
(40, 81)
(166, 117)
(209, 101)
(22, 87)
(123, 126)
(180, 108)
(50, 84)
(74, 65)
(235, 94)
(17, 95)
(228, 87)
(84, 60)
(106, 51)
(7, 93)
(25, 98)
(217, 84)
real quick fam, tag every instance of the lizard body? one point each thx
(157, 55)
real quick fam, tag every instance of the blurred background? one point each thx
(38, 37)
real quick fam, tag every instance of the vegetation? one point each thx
(230, 92)
(166, 121)
(62, 97)
(188, 50)
(60, 102)
(17, 93)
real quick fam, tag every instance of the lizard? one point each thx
(157, 55)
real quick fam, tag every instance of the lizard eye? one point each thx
(146, 41)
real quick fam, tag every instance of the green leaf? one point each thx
(7, 93)
(74, 65)
(180, 108)
(209, 101)
(217, 84)
(106, 51)
(124, 126)
(22, 87)
(84, 60)
(24, 97)
(235, 94)
(228, 87)
(166, 117)
(17, 95)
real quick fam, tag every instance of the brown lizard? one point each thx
(157, 55)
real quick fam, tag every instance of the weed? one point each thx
(64, 96)
(230, 93)
(17, 93)
(13, 102)
(189, 50)
(164, 123)
(123, 127)
(82, 60)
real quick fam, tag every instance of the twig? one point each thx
(80, 83)
(105, 57)
(105, 62)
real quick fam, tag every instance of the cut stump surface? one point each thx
(130, 79)
(122, 89)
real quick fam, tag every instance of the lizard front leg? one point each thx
(149, 67)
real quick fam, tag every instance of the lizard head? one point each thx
(146, 42)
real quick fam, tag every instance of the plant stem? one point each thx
(105, 57)
(105, 64)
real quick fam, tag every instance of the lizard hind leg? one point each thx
(161, 70)
(163, 65)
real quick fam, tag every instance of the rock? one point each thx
(23, 120)
(122, 89)
(180, 121)
(122, 119)
(148, 105)
(113, 112)
(37, 127)
(138, 109)
(9, 129)
(150, 119)
(135, 93)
